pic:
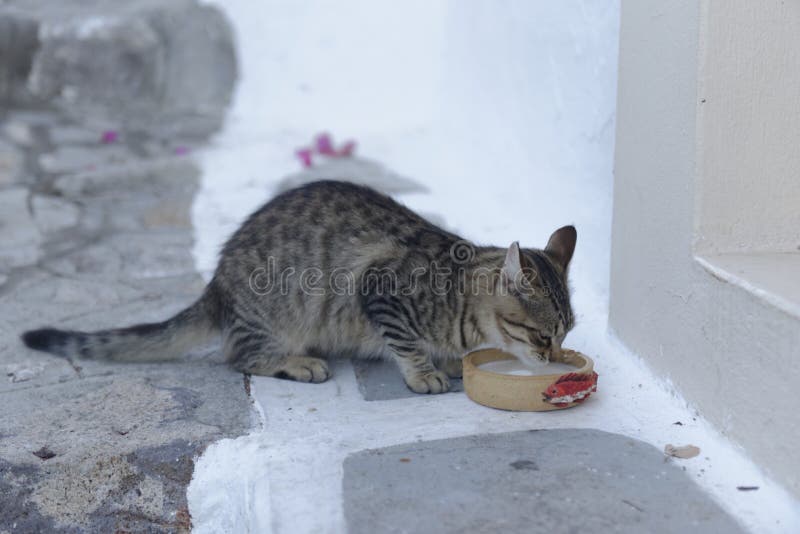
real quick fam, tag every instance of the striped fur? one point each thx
(332, 268)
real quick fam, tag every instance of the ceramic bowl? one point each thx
(536, 393)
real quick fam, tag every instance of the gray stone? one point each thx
(124, 445)
(381, 380)
(21, 238)
(74, 135)
(101, 180)
(19, 512)
(128, 257)
(53, 214)
(18, 44)
(96, 446)
(12, 163)
(22, 372)
(71, 159)
(142, 63)
(19, 132)
(531, 481)
(168, 213)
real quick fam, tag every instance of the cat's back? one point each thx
(338, 200)
(311, 223)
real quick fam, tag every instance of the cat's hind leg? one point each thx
(262, 362)
(251, 349)
(299, 368)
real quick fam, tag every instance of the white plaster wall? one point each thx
(529, 107)
(728, 352)
(749, 127)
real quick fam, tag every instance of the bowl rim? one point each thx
(468, 360)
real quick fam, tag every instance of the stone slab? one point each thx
(568, 480)
(381, 380)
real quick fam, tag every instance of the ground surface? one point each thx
(96, 236)
(529, 481)
(505, 116)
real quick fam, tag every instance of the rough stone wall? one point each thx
(142, 64)
(96, 235)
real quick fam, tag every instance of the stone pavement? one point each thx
(564, 480)
(97, 235)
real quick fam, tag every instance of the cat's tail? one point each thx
(152, 342)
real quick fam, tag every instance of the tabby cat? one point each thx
(332, 268)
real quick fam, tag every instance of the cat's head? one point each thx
(529, 313)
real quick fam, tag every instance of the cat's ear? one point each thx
(512, 267)
(561, 245)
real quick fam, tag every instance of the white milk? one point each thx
(516, 367)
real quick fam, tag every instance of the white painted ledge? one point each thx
(772, 277)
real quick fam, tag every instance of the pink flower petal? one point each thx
(325, 144)
(347, 149)
(109, 136)
(305, 156)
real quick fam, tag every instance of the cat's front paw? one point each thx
(430, 382)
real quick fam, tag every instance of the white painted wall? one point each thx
(749, 127)
(686, 169)
(486, 102)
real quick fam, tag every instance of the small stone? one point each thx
(22, 375)
(169, 212)
(23, 372)
(684, 452)
(44, 453)
(53, 214)
(121, 430)
(11, 164)
(19, 133)
(21, 237)
(528, 465)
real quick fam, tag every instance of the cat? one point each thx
(333, 268)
